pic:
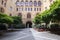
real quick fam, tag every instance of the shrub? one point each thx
(18, 26)
(3, 27)
(54, 27)
(39, 26)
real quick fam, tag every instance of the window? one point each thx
(39, 9)
(20, 9)
(21, 3)
(51, 0)
(10, 14)
(35, 3)
(31, 9)
(30, 0)
(2, 2)
(25, 9)
(26, 3)
(19, 14)
(39, 3)
(16, 9)
(10, 8)
(17, 3)
(30, 3)
(28, 9)
(34, 9)
(1, 10)
(28, 15)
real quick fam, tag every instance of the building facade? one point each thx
(27, 9)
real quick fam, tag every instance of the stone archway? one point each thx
(28, 24)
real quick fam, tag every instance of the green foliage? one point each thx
(52, 14)
(5, 19)
(18, 26)
(54, 27)
(56, 14)
(38, 19)
(17, 20)
(46, 16)
(12, 21)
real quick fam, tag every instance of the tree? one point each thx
(46, 16)
(17, 19)
(5, 19)
(37, 19)
(56, 14)
(50, 14)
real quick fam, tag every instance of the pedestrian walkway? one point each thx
(46, 35)
(29, 34)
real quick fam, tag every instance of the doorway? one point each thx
(29, 24)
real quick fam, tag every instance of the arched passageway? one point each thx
(28, 24)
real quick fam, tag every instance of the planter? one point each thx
(39, 30)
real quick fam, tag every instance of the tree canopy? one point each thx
(5, 18)
(50, 14)
(17, 19)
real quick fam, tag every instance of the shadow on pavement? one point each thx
(23, 34)
(55, 32)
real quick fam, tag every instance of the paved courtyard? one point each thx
(29, 34)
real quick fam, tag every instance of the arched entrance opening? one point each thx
(29, 24)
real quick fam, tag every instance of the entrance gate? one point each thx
(28, 24)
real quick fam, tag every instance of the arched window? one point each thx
(35, 3)
(17, 0)
(39, 3)
(17, 3)
(51, 0)
(2, 2)
(10, 14)
(26, 3)
(30, 3)
(19, 14)
(1, 10)
(28, 15)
